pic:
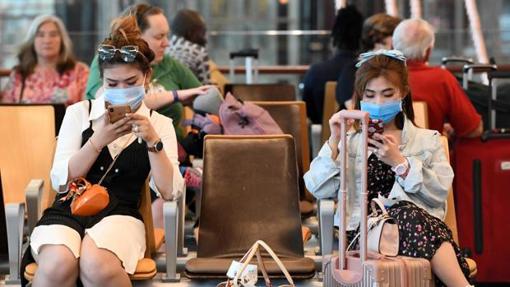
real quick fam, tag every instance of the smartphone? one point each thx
(118, 112)
(375, 126)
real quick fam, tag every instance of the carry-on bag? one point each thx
(363, 268)
(482, 180)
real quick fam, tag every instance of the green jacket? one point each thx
(169, 73)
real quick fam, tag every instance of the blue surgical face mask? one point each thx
(385, 112)
(132, 96)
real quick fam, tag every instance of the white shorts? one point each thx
(121, 234)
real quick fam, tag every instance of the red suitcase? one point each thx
(482, 197)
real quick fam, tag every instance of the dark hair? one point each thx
(141, 12)
(346, 32)
(376, 28)
(125, 32)
(27, 56)
(395, 71)
(189, 25)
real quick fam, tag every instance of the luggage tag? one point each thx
(249, 276)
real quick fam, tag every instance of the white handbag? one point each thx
(244, 274)
(383, 236)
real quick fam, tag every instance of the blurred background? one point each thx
(286, 32)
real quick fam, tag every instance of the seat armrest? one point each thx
(326, 215)
(181, 201)
(33, 197)
(171, 224)
(315, 139)
(15, 218)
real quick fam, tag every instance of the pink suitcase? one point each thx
(362, 268)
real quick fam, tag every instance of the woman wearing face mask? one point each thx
(102, 249)
(407, 167)
(172, 85)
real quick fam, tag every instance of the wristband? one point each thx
(176, 96)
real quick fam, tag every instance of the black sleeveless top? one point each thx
(123, 182)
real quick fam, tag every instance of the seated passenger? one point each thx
(375, 35)
(47, 71)
(188, 43)
(171, 83)
(446, 101)
(103, 249)
(407, 168)
(345, 37)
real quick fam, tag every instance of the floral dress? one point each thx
(420, 233)
(48, 86)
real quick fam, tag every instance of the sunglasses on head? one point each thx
(128, 53)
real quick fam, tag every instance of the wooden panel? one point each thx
(421, 117)
(330, 107)
(450, 219)
(28, 140)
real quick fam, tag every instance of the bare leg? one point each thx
(157, 212)
(447, 268)
(57, 266)
(100, 267)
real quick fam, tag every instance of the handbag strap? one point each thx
(117, 156)
(378, 202)
(375, 202)
(114, 160)
(263, 268)
(252, 252)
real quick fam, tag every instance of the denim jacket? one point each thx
(427, 183)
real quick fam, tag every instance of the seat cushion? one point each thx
(145, 270)
(30, 271)
(204, 268)
(472, 267)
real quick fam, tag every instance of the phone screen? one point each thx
(375, 126)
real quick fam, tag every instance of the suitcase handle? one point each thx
(447, 60)
(254, 53)
(468, 70)
(479, 68)
(364, 118)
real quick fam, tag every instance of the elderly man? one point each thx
(445, 98)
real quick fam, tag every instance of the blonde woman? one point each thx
(47, 71)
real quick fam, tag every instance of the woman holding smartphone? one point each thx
(102, 249)
(407, 168)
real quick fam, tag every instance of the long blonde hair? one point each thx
(27, 56)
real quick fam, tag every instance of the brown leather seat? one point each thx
(262, 92)
(291, 117)
(249, 192)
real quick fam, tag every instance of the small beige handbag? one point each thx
(248, 279)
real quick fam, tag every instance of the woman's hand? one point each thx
(142, 128)
(110, 132)
(387, 151)
(335, 129)
(187, 96)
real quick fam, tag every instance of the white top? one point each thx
(76, 120)
(427, 183)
